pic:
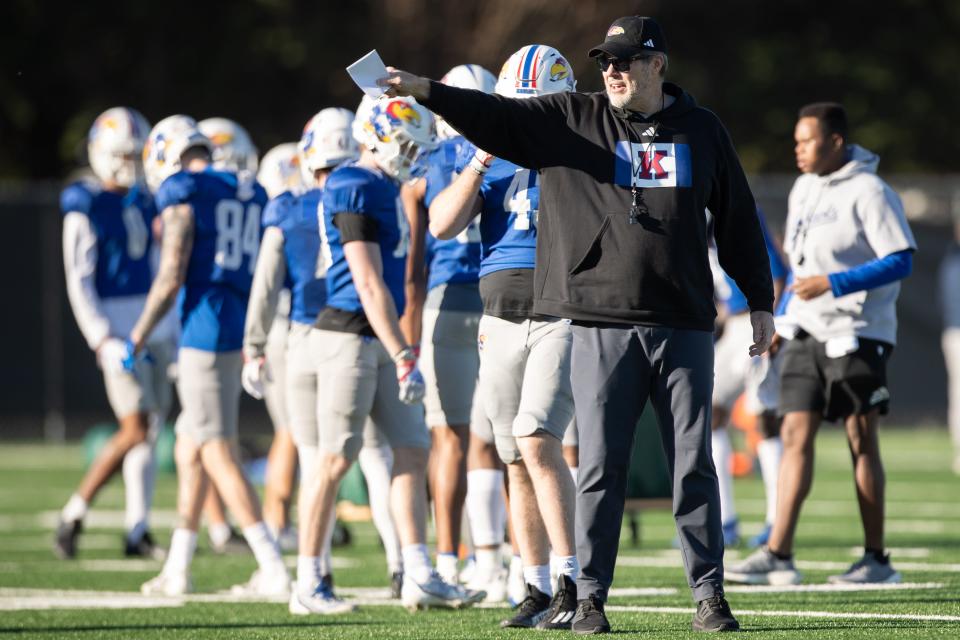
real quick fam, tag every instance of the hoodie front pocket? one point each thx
(591, 257)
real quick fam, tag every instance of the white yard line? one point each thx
(798, 614)
(673, 560)
(815, 588)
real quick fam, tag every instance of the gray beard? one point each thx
(619, 101)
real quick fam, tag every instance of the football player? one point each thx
(365, 367)
(524, 358)
(290, 251)
(108, 251)
(462, 437)
(211, 235)
(736, 373)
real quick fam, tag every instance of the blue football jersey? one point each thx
(297, 218)
(122, 223)
(367, 192)
(731, 296)
(456, 260)
(508, 230)
(226, 212)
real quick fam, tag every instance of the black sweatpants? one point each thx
(614, 370)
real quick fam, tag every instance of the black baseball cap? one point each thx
(631, 36)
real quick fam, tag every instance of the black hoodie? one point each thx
(592, 264)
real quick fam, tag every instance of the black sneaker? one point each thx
(590, 618)
(530, 611)
(145, 547)
(713, 614)
(562, 606)
(396, 584)
(65, 540)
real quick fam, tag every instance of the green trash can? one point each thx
(353, 487)
(95, 439)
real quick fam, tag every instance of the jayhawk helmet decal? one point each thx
(115, 146)
(535, 70)
(399, 132)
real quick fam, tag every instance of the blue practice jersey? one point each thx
(456, 260)
(297, 218)
(508, 231)
(731, 296)
(226, 213)
(356, 190)
(122, 224)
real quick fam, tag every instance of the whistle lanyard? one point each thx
(637, 206)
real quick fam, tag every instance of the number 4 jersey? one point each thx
(226, 213)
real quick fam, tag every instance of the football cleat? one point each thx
(396, 585)
(320, 601)
(435, 593)
(563, 606)
(494, 583)
(762, 567)
(168, 584)
(145, 547)
(65, 539)
(731, 533)
(868, 570)
(530, 611)
(268, 584)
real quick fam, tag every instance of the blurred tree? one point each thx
(270, 64)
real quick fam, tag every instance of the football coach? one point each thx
(626, 177)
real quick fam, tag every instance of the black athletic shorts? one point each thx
(853, 384)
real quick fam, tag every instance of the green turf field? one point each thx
(96, 595)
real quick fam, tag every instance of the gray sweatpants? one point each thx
(614, 370)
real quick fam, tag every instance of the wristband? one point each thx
(478, 167)
(404, 355)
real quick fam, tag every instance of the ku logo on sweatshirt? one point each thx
(652, 164)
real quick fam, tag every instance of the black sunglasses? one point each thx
(619, 64)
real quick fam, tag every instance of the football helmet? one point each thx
(360, 132)
(464, 76)
(327, 141)
(399, 132)
(167, 141)
(535, 70)
(115, 145)
(280, 170)
(232, 148)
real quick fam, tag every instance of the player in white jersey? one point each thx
(849, 246)
(211, 236)
(109, 259)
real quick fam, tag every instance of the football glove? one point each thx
(412, 386)
(253, 377)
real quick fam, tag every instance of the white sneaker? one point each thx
(266, 584)
(436, 593)
(868, 570)
(287, 540)
(320, 601)
(762, 567)
(494, 583)
(168, 584)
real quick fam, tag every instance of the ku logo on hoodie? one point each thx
(652, 164)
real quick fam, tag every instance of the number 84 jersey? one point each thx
(508, 229)
(227, 230)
